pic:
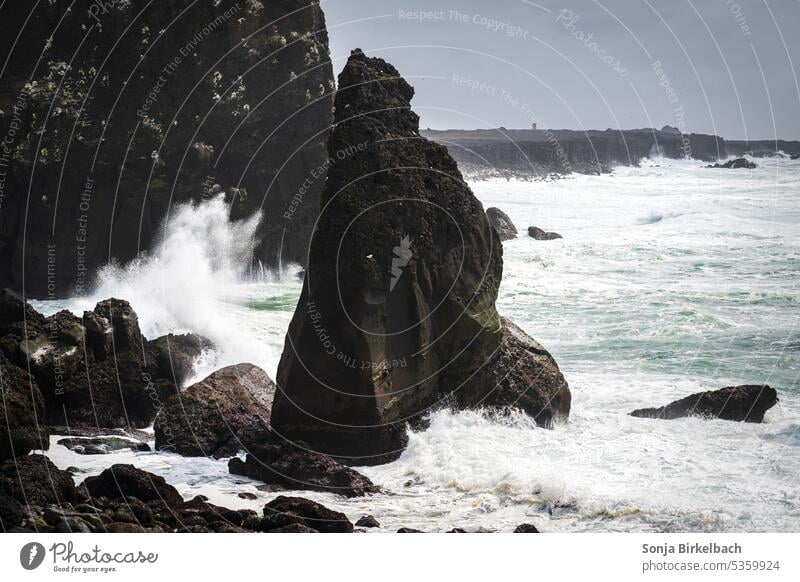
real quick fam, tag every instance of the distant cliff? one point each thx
(501, 152)
(112, 112)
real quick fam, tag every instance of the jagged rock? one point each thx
(501, 222)
(397, 313)
(367, 521)
(173, 356)
(253, 125)
(123, 481)
(21, 412)
(294, 466)
(735, 164)
(315, 515)
(102, 445)
(90, 370)
(746, 403)
(537, 233)
(218, 416)
(35, 480)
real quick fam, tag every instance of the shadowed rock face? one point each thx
(133, 106)
(501, 223)
(397, 313)
(21, 412)
(218, 416)
(746, 403)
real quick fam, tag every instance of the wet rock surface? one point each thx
(294, 466)
(539, 234)
(501, 222)
(21, 412)
(747, 403)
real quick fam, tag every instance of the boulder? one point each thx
(397, 313)
(123, 481)
(90, 370)
(735, 164)
(21, 412)
(11, 513)
(367, 521)
(315, 515)
(173, 356)
(526, 528)
(294, 466)
(35, 480)
(538, 234)
(501, 222)
(746, 403)
(219, 416)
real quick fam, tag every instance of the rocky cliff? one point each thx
(112, 112)
(397, 313)
(531, 153)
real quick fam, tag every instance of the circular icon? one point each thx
(31, 555)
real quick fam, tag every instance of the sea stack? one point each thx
(397, 314)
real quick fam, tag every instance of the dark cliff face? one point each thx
(397, 313)
(523, 153)
(113, 112)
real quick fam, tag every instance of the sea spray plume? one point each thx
(400, 260)
(190, 279)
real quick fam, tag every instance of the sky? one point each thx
(725, 67)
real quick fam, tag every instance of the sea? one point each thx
(671, 278)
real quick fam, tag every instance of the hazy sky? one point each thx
(728, 67)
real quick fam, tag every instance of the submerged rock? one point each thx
(537, 233)
(746, 403)
(501, 222)
(102, 445)
(22, 427)
(219, 416)
(397, 313)
(293, 466)
(367, 521)
(735, 164)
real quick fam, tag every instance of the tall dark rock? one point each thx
(397, 313)
(112, 112)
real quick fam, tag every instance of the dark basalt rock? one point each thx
(537, 233)
(526, 528)
(293, 466)
(218, 416)
(245, 110)
(11, 513)
(409, 530)
(315, 515)
(21, 412)
(367, 521)
(746, 403)
(91, 370)
(501, 222)
(737, 163)
(102, 445)
(173, 356)
(123, 481)
(35, 480)
(397, 313)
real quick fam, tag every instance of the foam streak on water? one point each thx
(671, 278)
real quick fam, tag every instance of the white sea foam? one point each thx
(637, 313)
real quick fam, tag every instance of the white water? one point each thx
(671, 279)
